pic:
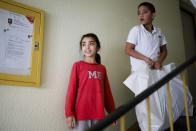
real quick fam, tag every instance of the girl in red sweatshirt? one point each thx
(89, 89)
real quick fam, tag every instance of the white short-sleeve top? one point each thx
(146, 43)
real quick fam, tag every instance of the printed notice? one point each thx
(16, 32)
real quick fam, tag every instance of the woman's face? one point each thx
(145, 16)
(89, 47)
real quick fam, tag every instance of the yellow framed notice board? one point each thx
(21, 41)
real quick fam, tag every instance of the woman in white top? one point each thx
(145, 42)
(146, 46)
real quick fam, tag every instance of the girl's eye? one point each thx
(83, 44)
(91, 43)
(144, 12)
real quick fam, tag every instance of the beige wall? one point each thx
(42, 109)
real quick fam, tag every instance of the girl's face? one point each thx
(145, 16)
(89, 47)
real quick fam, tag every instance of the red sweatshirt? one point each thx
(88, 92)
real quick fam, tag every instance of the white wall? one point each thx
(42, 109)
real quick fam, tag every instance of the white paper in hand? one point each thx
(137, 82)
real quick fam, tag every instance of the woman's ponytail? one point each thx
(98, 58)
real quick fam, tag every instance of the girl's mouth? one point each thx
(88, 51)
(142, 19)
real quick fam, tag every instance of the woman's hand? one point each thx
(149, 62)
(115, 123)
(157, 65)
(71, 122)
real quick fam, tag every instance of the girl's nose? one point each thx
(140, 15)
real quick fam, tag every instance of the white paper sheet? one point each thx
(15, 43)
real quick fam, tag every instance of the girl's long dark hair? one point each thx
(97, 56)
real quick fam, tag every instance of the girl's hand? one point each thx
(157, 65)
(71, 122)
(149, 62)
(115, 123)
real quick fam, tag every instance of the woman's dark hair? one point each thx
(149, 5)
(97, 56)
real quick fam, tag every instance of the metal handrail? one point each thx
(146, 93)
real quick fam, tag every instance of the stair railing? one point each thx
(119, 112)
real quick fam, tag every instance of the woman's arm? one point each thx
(163, 54)
(130, 50)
